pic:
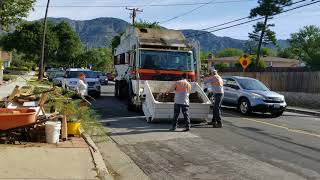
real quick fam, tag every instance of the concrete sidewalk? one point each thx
(6, 89)
(46, 162)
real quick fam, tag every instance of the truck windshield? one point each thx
(166, 60)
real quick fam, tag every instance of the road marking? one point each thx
(279, 126)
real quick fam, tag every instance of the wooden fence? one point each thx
(307, 82)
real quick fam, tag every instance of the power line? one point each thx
(194, 9)
(240, 19)
(246, 22)
(141, 5)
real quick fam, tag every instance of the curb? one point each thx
(101, 167)
(314, 113)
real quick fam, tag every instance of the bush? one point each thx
(229, 52)
(220, 65)
(22, 68)
(9, 77)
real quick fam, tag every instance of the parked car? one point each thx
(110, 77)
(102, 77)
(251, 95)
(57, 78)
(71, 79)
(52, 74)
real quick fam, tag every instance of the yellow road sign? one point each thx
(245, 61)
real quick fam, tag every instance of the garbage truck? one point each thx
(149, 60)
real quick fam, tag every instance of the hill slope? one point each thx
(100, 31)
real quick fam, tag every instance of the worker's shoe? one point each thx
(172, 129)
(186, 129)
(209, 123)
(217, 125)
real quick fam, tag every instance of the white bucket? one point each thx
(53, 131)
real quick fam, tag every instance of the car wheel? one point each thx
(276, 113)
(244, 106)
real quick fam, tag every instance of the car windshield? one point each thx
(252, 84)
(76, 74)
(58, 74)
(167, 60)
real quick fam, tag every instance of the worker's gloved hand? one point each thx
(205, 90)
(210, 94)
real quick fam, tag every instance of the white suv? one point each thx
(71, 78)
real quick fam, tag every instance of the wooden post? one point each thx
(64, 128)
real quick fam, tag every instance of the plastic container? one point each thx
(12, 118)
(74, 128)
(53, 131)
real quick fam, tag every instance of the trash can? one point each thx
(53, 131)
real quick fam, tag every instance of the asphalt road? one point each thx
(254, 147)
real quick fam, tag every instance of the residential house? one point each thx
(6, 57)
(269, 60)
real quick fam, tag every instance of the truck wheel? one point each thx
(116, 89)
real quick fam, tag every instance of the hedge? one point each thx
(23, 68)
(9, 77)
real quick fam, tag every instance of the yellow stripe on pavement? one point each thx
(279, 126)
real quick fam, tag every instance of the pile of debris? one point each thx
(163, 97)
(24, 115)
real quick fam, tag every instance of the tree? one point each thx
(250, 47)
(12, 11)
(115, 42)
(262, 33)
(27, 39)
(306, 44)
(204, 56)
(286, 53)
(61, 48)
(69, 43)
(229, 52)
(99, 58)
(267, 52)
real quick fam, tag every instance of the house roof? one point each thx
(266, 59)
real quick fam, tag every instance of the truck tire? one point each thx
(116, 89)
(131, 106)
(123, 90)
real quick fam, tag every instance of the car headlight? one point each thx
(72, 82)
(257, 96)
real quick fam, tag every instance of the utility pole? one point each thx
(41, 71)
(133, 14)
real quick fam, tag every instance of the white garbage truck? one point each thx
(149, 60)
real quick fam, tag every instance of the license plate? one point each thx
(277, 106)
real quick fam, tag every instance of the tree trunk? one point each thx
(261, 38)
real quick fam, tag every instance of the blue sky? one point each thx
(209, 15)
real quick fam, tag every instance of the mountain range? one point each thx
(100, 31)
